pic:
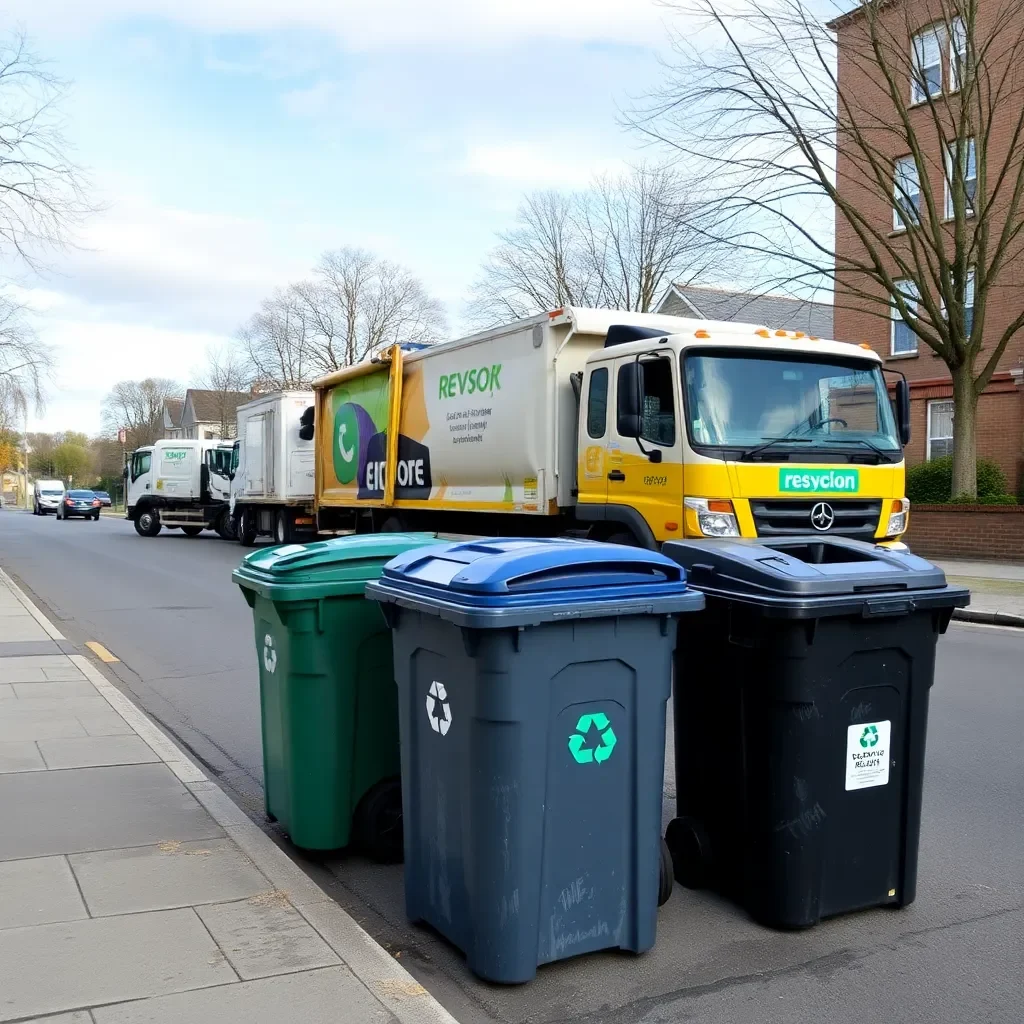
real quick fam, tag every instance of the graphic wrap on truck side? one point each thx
(466, 439)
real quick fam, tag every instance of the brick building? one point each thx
(933, 46)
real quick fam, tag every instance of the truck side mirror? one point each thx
(306, 426)
(903, 410)
(628, 422)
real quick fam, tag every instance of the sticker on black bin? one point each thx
(867, 755)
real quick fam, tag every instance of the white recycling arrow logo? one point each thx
(269, 654)
(439, 694)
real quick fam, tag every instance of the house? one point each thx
(779, 312)
(203, 415)
(172, 417)
(933, 42)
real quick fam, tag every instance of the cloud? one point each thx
(552, 164)
(365, 25)
(315, 101)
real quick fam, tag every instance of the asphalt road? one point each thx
(167, 608)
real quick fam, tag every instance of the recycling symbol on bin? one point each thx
(439, 713)
(269, 654)
(869, 737)
(580, 746)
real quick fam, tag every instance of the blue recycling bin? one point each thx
(533, 677)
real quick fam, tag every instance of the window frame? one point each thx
(957, 55)
(606, 375)
(929, 436)
(895, 318)
(949, 151)
(899, 223)
(918, 82)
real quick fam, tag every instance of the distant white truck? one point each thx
(273, 468)
(46, 496)
(180, 484)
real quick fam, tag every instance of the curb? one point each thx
(988, 618)
(387, 981)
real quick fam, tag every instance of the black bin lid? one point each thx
(815, 573)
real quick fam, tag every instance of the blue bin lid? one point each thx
(521, 581)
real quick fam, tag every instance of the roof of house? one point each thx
(776, 311)
(173, 407)
(212, 406)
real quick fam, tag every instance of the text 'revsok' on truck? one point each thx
(631, 427)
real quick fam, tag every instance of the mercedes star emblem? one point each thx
(822, 516)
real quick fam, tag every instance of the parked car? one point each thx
(79, 503)
(47, 496)
(104, 498)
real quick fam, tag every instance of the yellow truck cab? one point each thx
(736, 430)
(632, 427)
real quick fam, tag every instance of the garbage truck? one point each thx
(272, 468)
(179, 483)
(628, 427)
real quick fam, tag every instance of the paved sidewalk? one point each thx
(133, 891)
(997, 590)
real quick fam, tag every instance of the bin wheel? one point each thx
(378, 822)
(690, 849)
(665, 878)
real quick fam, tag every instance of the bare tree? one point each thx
(138, 406)
(228, 376)
(277, 340)
(354, 305)
(762, 97)
(618, 244)
(25, 362)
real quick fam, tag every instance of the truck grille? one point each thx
(785, 517)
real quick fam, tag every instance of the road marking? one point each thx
(101, 652)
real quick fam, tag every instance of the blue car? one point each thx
(79, 503)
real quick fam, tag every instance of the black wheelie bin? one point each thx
(533, 677)
(801, 708)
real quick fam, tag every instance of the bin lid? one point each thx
(324, 568)
(526, 581)
(813, 571)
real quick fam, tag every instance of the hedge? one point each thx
(931, 483)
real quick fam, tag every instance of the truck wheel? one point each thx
(283, 527)
(225, 527)
(147, 523)
(393, 524)
(246, 528)
(377, 823)
(623, 537)
(690, 849)
(191, 531)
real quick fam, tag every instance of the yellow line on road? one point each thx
(100, 651)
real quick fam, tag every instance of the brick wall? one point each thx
(953, 531)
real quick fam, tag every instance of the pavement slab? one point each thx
(95, 752)
(58, 967)
(97, 809)
(333, 994)
(41, 890)
(21, 756)
(172, 874)
(265, 935)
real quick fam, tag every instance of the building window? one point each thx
(940, 429)
(927, 76)
(906, 191)
(968, 303)
(964, 155)
(597, 402)
(904, 340)
(957, 52)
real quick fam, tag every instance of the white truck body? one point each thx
(274, 470)
(46, 496)
(274, 463)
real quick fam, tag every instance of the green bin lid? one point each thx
(339, 567)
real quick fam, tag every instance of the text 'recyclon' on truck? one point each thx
(633, 427)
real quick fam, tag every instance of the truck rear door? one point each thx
(254, 467)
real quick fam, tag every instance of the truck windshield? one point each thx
(741, 400)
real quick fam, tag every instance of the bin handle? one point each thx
(887, 608)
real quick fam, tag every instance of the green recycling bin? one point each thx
(328, 700)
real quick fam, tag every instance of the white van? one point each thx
(46, 496)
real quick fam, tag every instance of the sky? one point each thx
(230, 142)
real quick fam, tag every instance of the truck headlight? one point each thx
(716, 518)
(898, 517)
